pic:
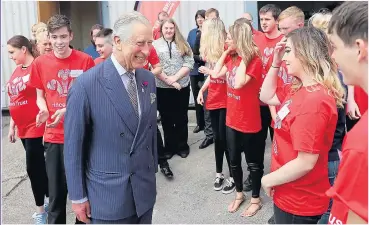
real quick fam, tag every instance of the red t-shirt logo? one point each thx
(231, 77)
(17, 85)
(61, 85)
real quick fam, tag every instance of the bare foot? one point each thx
(253, 207)
(236, 203)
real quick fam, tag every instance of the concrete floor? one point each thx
(186, 199)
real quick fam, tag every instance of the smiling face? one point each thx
(267, 22)
(103, 47)
(293, 64)
(44, 44)
(168, 30)
(60, 40)
(352, 60)
(133, 53)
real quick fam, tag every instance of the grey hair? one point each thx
(123, 25)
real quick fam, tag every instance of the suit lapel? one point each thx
(114, 88)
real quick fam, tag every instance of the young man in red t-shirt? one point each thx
(348, 34)
(104, 45)
(266, 42)
(52, 75)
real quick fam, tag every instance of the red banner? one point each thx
(151, 9)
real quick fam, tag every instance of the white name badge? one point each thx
(75, 73)
(283, 112)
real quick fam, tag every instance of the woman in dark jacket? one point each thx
(195, 76)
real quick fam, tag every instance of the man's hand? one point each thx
(82, 211)
(353, 111)
(58, 115)
(11, 135)
(177, 86)
(41, 117)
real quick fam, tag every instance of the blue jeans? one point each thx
(332, 174)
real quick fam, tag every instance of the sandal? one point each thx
(260, 205)
(242, 199)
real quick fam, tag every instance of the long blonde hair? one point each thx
(212, 41)
(312, 48)
(242, 36)
(178, 38)
(321, 19)
(40, 34)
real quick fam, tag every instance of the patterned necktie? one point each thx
(132, 92)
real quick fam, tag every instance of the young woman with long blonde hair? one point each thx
(212, 47)
(304, 127)
(243, 76)
(173, 91)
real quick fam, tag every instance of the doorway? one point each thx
(81, 22)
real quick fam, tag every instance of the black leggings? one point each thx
(218, 120)
(36, 169)
(239, 142)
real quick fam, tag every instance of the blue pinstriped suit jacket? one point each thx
(109, 156)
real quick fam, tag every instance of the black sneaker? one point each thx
(228, 187)
(218, 183)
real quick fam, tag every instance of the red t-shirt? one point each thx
(350, 189)
(156, 33)
(266, 48)
(243, 110)
(153, 58)
(217, 91)
(98, 60)
(308, 127)
(22, 107)
(361, 99)
(55, 76)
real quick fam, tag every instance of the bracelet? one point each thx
(276, 67)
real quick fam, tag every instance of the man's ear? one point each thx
(362, 49)
(117, 43)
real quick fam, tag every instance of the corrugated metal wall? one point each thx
(184, 14)
(17, 17)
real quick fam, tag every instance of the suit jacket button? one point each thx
(150, 126)
(132, 174)
(147, 147)
(122, 134)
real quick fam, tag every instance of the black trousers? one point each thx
(36, 169)
(282, 217)
(350, 123)
(195, 86)
(218, 122)
(146, 218)
(57, 184)
(237, 143)
(173, 108)
(161, 150)
(208, 128)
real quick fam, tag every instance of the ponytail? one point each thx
(18, 41)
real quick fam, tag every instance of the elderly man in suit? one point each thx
(110, 132)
